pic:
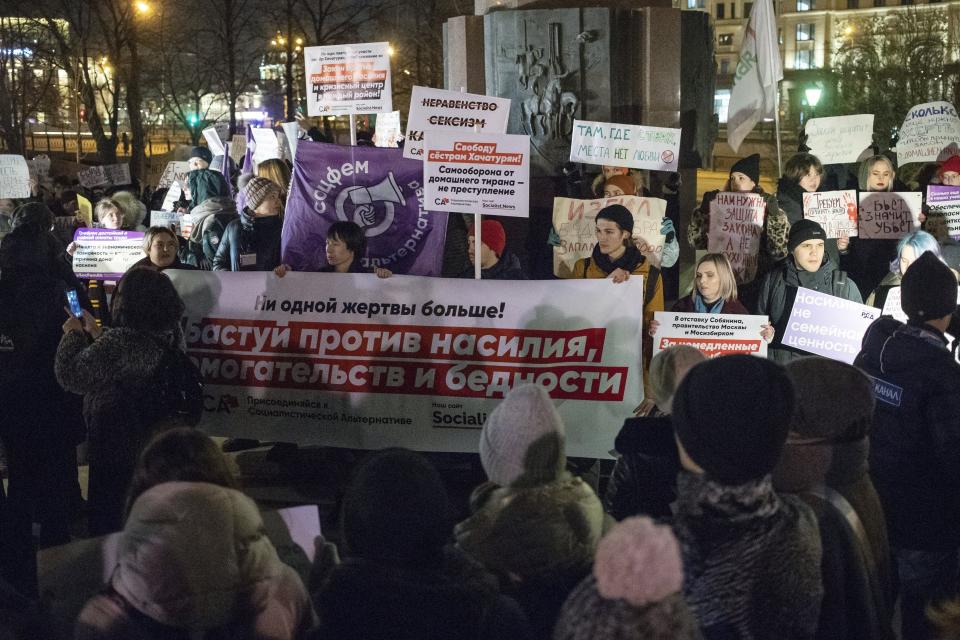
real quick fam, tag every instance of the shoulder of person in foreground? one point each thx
(83, 366)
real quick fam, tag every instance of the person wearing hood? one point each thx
(634, 590)
(210, 220)
(252, 241)
(825, 463)
(496, 262)
(40, 424)
(915, 441)
(399, 579)
(533, 524)
(194, 561)
(806, 266)
(161, 244)
(751, 556)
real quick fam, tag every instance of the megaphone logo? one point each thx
(370, 207)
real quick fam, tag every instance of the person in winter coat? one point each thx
(915, 441)
(644, 478)
(825, 464)
(194, 561)
(118, 371)
(40, 424)
(346, 246)
(533, 524)
(496, 262)
(210, 220)
(745, 177)
(751, 557)
(625, 185)
(204, 184)
(398, 580)
(909, 248)
(803, 173)
(161, 244)
(133, 210)
(200, 158)
(633, 591)
(807, 267)
(252, 241)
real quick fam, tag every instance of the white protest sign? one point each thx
(945, 201)
(625, 145)
(40, 167)
(175, 171)
(575, 223)
(267, 145)
(439, 110)
(173, 195)
(167, 219)
(478, 173)
(835, 211)
(889, 214)
(238, 147)
(118, 174)
(214, 143)
(713, 334)
(291, 130)
(827, 325)
(93, 177)
(223, 130)
(930, 133)
(839, 139)
(14, 177)
(348, 79)
(415, 392)
(386, 133)
(736, 224)
(186, 225)
(106, 253)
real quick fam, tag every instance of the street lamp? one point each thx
(143, 8)
(813, 95)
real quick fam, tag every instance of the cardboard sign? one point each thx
(387, 133)
(105, 254)
(930, 133)
(238, 147)
(828, 326)
(736, 224)
(713, 335)
(946, 202)
(575, 223)
(167, 219)
(889, 214)
(348, 79)
(105, 176)
(214, 143)
(835, 211)
(477, 173)
(839, 139)
(426, 379)
(441, 110)
(175, 171)
(267, 145)
(85, 211)
(625, 145)
(14, 177)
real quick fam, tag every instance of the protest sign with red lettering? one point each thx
(827, 326)
(575, 222)
(835, 211)
(713, 334)
(889, 214)
(346, 79)
(351, 360)
(478, 173)
(736, 224)
(439, 110)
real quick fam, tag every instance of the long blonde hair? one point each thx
(277, 172)
(728, 283)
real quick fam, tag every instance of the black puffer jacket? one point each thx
(915, 439)
(250, 244)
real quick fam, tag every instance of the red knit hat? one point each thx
(950, 164)
(492, 235)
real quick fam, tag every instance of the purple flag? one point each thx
(248, 158)
(378, 189)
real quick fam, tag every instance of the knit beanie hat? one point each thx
(634, 589)
(619, 214)
(803, 230)
(732, 415)
(749, 166)
(834, 400)
(257, 190)
(624, 183)
(396, 510)
(203, 153)
(950, 164)
(928, 290)
(523, 439)
(492, 235)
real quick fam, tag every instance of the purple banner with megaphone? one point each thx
(376, 188)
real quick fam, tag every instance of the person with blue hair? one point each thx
(909, 248)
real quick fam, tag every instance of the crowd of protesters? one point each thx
(751, 498)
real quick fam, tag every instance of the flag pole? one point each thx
(776, 125)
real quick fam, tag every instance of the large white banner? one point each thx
(576, 223)
(839, 139)
(441, 110)
(625, 145)
(930, 133)
(346, 79)
(713, 335)
(477, 173)
(355, 361)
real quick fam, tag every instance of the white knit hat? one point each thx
(525, 416)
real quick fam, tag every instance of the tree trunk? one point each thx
(134, 102)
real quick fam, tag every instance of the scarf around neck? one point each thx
(630, 260)
(700, 306)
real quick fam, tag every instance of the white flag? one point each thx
(754, 95)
